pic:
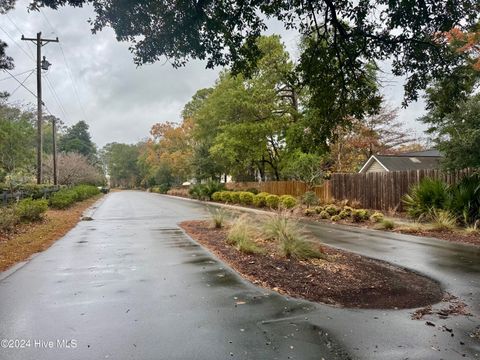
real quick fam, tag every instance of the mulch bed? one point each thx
(345, 279)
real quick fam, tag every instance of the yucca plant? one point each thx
(425, 197)
(464, 199)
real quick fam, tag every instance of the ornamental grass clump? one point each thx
(443, 220)
(241, 236)
(289, 237)
(218, 217)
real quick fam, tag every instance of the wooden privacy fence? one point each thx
(384, 190)
(376, 190)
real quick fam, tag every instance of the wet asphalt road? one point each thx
(131, 285)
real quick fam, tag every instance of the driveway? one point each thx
(131, 285)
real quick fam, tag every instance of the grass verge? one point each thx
(39, 236)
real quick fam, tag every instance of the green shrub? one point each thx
(162, 188)
(272, 201)
(359, 215)
(385, 225)
(423, 198)
(309, 212)
(246, 198)
(324, 215)
(343, 214)
(348, 210)
(377, 217)
(85, 191)
(217, 196)
(31, 210)
(332, 209)
(235, 197)
(260, 200)
(464, 200)
(8, 219)
(225, 196)
(63, 199)
(288, 201)
(335, 218)
(254, 191)
(205, 191)
(319, 209)
(309, 199)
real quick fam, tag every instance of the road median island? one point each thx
(336, 278)
(30, 238)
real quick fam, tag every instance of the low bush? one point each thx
(335, 218)
(309, 212)
(359, 215)
(348, 209)
(217, 196)
(260, 200)
(226, 196)
(343, 214)
(8, 219)
(332, 209)
(85, 191)
(254, 191)
(309, 199)
(161, 189)
(272, 201)
(63, 199)
(324, 215)
(377, 217)
(235, 197)
(319, 209)
(31, 210)
(246, 198)
(288, 201)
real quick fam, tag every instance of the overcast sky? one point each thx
(118, 100)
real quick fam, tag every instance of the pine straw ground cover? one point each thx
(341, 278)
(28, 239)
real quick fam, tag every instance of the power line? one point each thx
(23, 82)
(21, 32)
(69, 71)
(13, 76)
(56, 98)
(21, 48)
(9, 77)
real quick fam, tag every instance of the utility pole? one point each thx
(54, 145)
(39, 42)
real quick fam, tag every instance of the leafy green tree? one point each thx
(305, 167)
(17, 139)
(405, 32)
(77, 139)
(121, 164)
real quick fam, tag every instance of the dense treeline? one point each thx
(78, 162)
(257, 127)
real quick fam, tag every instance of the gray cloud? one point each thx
(121, 101)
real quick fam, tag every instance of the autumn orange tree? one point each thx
(168, 152)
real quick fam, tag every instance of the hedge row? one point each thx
(262, 199)
(67, 197)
